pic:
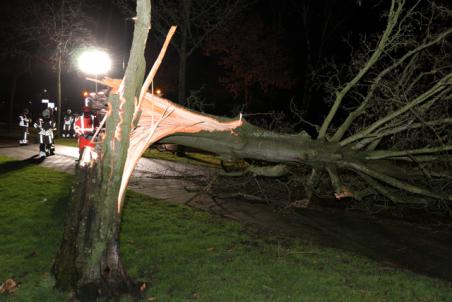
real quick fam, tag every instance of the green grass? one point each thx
(186, 254)
(31, 211)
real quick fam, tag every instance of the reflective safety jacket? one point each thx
(86, 124)
(45, 126)
(23, 120)
(68, 119)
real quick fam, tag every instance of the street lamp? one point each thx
(95, 62)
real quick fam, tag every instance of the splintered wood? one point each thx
(161, 118)
(156, 118)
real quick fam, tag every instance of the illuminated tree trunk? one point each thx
(88, 260)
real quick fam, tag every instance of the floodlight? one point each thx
(94, 61)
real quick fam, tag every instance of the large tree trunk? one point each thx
(249, 141)
(88, 260)
(384, 172)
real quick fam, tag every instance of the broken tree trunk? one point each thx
(88, 261)
(378, 169)
(387, 173)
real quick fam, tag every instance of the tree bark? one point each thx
(391, 172)
(252, 142)
(88, 259)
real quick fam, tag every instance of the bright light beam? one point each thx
(95, 62)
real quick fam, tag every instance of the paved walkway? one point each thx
(395, 243)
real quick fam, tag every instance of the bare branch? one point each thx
(437, 88)
(394, 13)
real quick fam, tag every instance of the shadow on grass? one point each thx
(19, 164)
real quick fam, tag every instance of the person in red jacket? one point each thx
(85, 126)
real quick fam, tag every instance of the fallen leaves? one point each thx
(143, 286)
(9, 286)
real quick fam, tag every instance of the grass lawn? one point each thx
(184, 254)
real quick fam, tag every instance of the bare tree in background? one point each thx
(195, 20)
(56, 29)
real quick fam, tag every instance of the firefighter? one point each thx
(68, 121)
(45, 126)
(85, 126)
(24, 122)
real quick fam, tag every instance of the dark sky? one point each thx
(113, 32)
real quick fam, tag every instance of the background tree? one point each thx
(56, 29)
(252, 56)
(195, 20)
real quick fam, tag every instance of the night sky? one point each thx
(113, 31)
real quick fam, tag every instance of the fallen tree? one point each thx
(363, 157)
(393, 143)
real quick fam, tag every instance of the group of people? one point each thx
(81, 126)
